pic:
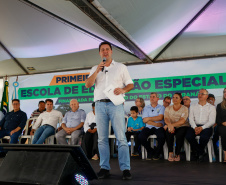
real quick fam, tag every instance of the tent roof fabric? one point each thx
(60, 35)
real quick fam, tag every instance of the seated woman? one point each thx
(175, 117)
(139, 102)
(90, 144)
(221, 122)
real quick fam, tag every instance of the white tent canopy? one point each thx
(60, 35)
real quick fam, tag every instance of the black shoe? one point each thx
(156, 157)
(135, 154)
(126, 175)
(103, 173)
(201, 157)
(2, 154)
(149, 156)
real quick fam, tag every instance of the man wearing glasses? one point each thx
(187, 101)
(201, 117)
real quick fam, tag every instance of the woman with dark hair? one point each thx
(139, 102)
(221, 122)
(175, 117)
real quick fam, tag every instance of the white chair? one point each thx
(152, 140)
(26, 136)
(209, 147)
(6, 137)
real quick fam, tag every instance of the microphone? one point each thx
(104, 60)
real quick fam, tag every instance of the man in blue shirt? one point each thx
(72, 124)
(134, 126)
(153, 117)
(13, 123)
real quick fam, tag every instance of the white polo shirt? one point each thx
(116, 74)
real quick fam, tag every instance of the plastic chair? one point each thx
(209, 147)
(152, 139)
(26, 136)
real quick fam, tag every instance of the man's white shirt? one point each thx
(116, 74)
(202, 115)
(48, 118)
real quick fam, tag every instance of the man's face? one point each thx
(41, 106)
(154, 99)
(166, 102)
(105, 51)
(211, 100)
(49, 106)
(186, 101)
(224, 93)
(74, 105)
(202, 96)
(16, 105)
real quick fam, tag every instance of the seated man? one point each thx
(201, 117)
(48, 121)
(90, 143)
(153, 117)
(35, 114)
(13, 122)
(72, 124)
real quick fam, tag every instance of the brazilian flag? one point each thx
(5, 99)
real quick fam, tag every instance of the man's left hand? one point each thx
(12, 132)
(118, 91)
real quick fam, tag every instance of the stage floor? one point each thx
(163, 172)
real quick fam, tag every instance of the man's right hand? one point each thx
(100, 66)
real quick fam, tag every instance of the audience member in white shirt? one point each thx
(202, 117)
(90, 144)
(48, 121)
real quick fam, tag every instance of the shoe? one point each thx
(103, 174)
(201, 157)
(149, 156)
(95, 157)
(135, 154)
(156, 157)
(2, 154)
(126, 175)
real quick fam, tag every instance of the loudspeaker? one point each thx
(45, 164)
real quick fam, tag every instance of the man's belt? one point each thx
(105, 100)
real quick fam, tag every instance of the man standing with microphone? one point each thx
(115, 74)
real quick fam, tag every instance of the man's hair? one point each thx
(167, 97)
(211, 96)
(205, 90)
(16, 100)
(142, 102)
(93, 104)
(50, 100)
(157, 95)
(105, 42)
(134, 108)
(41, 102)
(73, 100)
